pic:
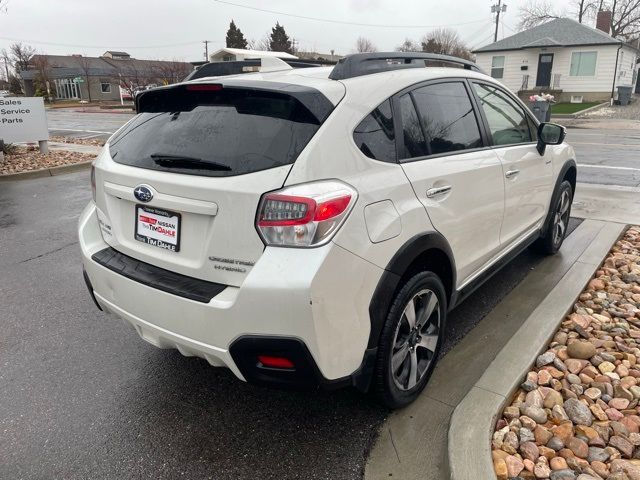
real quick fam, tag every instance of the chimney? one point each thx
(603, 21)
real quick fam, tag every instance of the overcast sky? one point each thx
(163, 29)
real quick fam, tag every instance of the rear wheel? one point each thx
(410, 340)
(560, 213)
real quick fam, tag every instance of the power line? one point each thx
(342, 22)
(54, 44)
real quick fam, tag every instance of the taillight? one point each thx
(306, 215)
(93, 182)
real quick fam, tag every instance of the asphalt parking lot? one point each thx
(83, 397)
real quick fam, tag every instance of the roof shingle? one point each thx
(561, 32)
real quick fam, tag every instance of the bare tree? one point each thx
(584, 9)
(3, 5)
(445, 41)
(536, 12)
(408, 46)
(84, 63)
(43, 67)
(625, 21)
(20, 55)
(172, 71)
(364, 45)
(263, 44)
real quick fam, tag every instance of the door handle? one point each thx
(434, 192)
(512, 173)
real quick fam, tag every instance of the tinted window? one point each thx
(447, 117)
(223, 133)
(414, 144)
(507, 121)
(375, 136)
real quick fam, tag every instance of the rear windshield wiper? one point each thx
(180, 161)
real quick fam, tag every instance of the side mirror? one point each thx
(550, 134)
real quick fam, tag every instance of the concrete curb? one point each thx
(471, 428)
(46, 172)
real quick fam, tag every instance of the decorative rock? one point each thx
(555, 444)
(593, 393)
(542, 435)
(558, 463)
(536, 413)
(620, 392)
(529, 450)
(564, 432)
(558, 415)
(606, 367)
(577, 412)
(621, 444)
(597, 455)
(500, 467)
(514, 466)
(511, 412)
(534, 399)
(510, 443)
(613, 414)
(529, 386)
(563, 475)
(578, 447)
(544, 377)
(632, 470)
(600, 468)
(619, 403)
(573, 379)
(552, 399)
(545, 359)
(581, 350)
(526, 435)
(526, 422)
(596, 284)
(541, 470)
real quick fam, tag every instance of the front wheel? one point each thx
(560, 213)
(410, 340)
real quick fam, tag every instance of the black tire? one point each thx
(393, 388)
(552, 239)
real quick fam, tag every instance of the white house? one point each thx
(231, 54)
(570, 60)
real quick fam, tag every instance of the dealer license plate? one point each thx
(158, 227)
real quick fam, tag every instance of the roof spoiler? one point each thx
(368, 63)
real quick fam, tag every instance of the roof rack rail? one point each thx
(367, 63)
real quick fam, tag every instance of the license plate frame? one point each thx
(171, 221)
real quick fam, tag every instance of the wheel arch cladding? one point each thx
(424, 252)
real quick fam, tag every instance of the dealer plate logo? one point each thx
(143, 193)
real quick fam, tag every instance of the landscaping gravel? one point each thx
(576, 415)
(98, 142)
(24, 159)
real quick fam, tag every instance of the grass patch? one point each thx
(566, 108)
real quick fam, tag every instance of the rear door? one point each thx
(528, 176)
(458, 180)
(179, 186)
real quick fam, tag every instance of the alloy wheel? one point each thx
(416, 339)
(561, 218)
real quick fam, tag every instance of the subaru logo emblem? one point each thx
(143, 193)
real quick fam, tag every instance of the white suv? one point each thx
(313, 227)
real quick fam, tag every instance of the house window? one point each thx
(583, 64)
(105, 87)
(497, 67)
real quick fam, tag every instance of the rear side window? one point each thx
(222, 133)
(447, 117)
(375, 136)
(414, 143)
(507, 121)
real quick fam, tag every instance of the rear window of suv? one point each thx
(216, 133)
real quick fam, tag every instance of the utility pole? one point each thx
(498, 9)
(206, 49)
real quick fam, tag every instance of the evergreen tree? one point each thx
(279, 41)
(235, 37)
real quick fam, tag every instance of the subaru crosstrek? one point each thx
(313, 226)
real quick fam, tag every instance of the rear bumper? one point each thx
(314, 298)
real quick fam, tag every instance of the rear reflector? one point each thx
(204, 88)
(275, 362)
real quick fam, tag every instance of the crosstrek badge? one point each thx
(158, 227)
